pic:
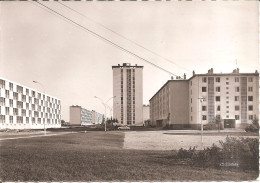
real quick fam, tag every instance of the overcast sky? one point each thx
(74, 65)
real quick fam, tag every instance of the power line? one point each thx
(120, 35)
(105, 39)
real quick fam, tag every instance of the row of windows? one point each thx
(237, 108)
(20, 119)
(204, 89)
(204, 79)
(237, 117)
(250, 98)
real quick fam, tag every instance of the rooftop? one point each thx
(127, 65)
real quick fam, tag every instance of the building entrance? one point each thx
(229, 123)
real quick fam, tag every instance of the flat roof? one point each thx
(166, 84)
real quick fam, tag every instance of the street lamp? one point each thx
(201, 100)
(44, 103)
(105, 106)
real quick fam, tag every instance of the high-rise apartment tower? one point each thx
(128, 92)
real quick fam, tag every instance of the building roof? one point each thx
(166, 84)
(127, 65)
(210, 73)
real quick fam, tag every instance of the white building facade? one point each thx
(24, 108)
(232, 96)
(128, 92)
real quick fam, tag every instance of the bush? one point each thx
(233, 152)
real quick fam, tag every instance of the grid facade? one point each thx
(24, 108)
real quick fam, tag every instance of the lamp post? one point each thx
(201, 100)
(44, 103)
(105, 107)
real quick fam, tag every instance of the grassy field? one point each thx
(98, 156)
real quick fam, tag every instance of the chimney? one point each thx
(237, 70)
(118, 64)
(256, 71)
(184, 76)
(211, 70)
(193, 72)
(171, 77)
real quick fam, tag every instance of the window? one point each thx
(6, 93)
(217, 98)
(237, 117)
(217, 79)
(191, 109)
(218, 108)
(227, 111)
(250, 98)
(227, 106)
(227, 97)
(227, 92)
(236, 98)
(227, 88)
(250, 79)
(204, 79)
(237, 89)
(19, 89)
(191, 100)
(250, 117)
(11, 86)
(250, 89)
(11, 119)
(217, 89)
(204, 108)
(227, 102)
(27, 120)
(236, 79)
(191, 118)
(227, 83)
(27, 91)
(204, 117)
(2, 83)
(191, 83)
(227, 78)
(2, 101)
(15, 111)
(7, 110)
(204, 89)
(250, 107)
(2, 118)
(15, 95)
(237, 108)
(227, 116)
(10, 102)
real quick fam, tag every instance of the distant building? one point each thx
(146, 113)
(234, 97)
(81, 116)
(97, 118)
(128, 89)
(24, 108)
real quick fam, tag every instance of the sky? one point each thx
(74, 65)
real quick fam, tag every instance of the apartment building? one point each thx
(24, 108)
(146, 113)
(80, 116)
(97, 118)
(128, 92)
(234, 97)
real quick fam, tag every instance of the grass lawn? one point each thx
(98, 156)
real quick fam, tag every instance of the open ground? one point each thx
(106, 156)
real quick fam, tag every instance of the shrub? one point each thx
(233, 152)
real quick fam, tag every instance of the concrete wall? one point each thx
(75, 115)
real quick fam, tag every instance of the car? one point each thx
(124, 128)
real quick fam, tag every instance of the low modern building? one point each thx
(24, 108)
(97, 118)
(80, 116)
(146, 113)
(234, 97)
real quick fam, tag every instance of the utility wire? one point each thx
(105, 39)
(120, 35)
